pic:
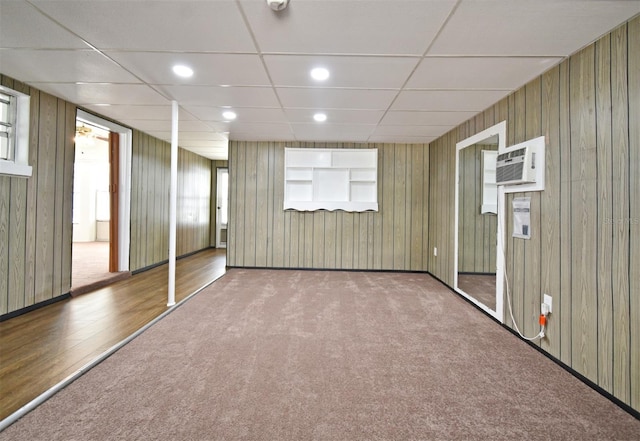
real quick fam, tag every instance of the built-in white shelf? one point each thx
(331, 179)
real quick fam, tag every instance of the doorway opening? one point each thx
(100, 204)
(222, 205)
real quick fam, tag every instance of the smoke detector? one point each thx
(277, 5)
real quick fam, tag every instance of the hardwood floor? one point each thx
(45, 346)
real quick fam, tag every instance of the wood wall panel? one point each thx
(566, 310)
(45, 210)
(35, 263)
(67, 202)
(634, 206)
(17, 245)
(620, 210)
(550, 223)
(604, 208)
(36, 212)
(5, 198)
(532, 247)
(389, 239)
(584, 212)
(150, 181)
(585, 246)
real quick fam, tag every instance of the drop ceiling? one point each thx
(401, 70)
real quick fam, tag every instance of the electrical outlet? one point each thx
(435, 251)
(549, 302)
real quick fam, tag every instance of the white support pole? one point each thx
(173, 197)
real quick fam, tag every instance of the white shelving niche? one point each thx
(331, 179)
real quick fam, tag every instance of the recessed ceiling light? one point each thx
(182, 71)
(229, 115)
(320, 117)
(319, 73)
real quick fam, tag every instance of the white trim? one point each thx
(500, 130)
(124, 196)
(173, 198)
(18, 163)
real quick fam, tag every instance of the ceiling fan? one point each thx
(83, 130)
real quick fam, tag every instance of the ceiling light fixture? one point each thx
(320, 73)
(320, 117)
(182, 71)
(229, 115)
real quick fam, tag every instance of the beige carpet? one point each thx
(312, 355)
(481, 287)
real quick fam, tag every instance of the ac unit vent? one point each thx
(516, 167)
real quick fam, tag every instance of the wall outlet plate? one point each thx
(548, 301)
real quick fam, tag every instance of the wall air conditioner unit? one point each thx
(516, 166)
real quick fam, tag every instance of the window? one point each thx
(14, 133)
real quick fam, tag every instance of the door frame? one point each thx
(123, 188)
(114, 177)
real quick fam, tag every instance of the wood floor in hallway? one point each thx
(41, 348)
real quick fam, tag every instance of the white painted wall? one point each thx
(90, 176)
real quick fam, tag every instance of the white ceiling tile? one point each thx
(136, 112)
(171, 25)
(244, 114)
(209, 69)
(426, 118)
(220, 153)
(478, 72)
(165, 125)
(341, 27)
(222, 96)
(356, 72)
(447, 101)
(98, 93)
(322, 99)
(542, 27)
(411, 131)
(402, 139)
(486, 49)
(268, 130)
(332, 132)
(202, 139)
(259, 136)
(62, 66)
(41, 32)
(215, 149)
(338, 116)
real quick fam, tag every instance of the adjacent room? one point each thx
(304, 219)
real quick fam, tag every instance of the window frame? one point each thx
(17, 162)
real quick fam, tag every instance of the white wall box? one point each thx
(331, 179)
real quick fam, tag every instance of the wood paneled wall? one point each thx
(585, 244)
(35, 212)
(150, 180)
(262, 234)
(477, 231)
